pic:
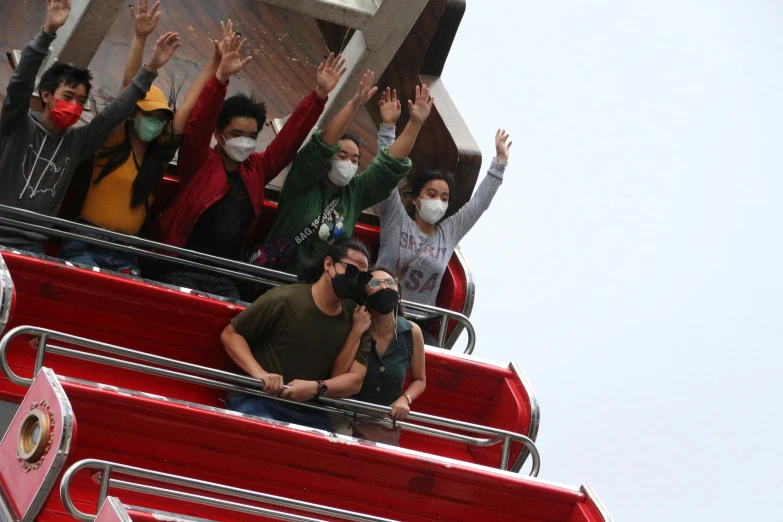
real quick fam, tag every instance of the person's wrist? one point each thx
(314, 387)
(393, 122)
(501, 160)
(222, 77)
(321, 93)
(50, 29)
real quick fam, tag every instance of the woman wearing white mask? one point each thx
(323, 197)
(419, 245)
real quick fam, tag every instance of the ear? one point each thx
(46, 97)
(328, 263)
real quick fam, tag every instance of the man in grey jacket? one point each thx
(39, 152)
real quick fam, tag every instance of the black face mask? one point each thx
(347, 285)
(384, 301)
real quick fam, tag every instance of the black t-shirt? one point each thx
(221, 229)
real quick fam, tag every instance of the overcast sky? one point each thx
(632, 259)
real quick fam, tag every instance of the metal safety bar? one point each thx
(108, 469)
(193, 259)
(247, 385)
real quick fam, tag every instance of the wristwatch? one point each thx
(322, 389)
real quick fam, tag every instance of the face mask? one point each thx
(342, 172)
(148, 128)
(432, 210)
(383, 301)
(239, 149)
(348, 284)
(65, 113)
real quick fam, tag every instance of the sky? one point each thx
(631, 261)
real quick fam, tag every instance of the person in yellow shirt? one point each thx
(129, 167)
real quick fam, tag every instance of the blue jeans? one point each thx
(270, 409)
(33, 248)
(88, 254)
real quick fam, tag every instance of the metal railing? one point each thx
(107, 480)
(41, 224)
(232, 382)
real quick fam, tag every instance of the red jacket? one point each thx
(202, 175)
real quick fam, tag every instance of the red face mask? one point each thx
(66, 113)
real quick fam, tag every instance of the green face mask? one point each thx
(148, 128)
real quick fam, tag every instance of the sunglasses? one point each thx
(389, 282)
(353, 272)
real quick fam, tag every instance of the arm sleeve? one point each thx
(282, 151)
(387, 135)
(199, 129)
(22, 84)
(458, 225)
(308, 168)
(381, 177)
(259, 318)
(116, 112)
(363, 353)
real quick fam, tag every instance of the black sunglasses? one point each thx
(353, 272)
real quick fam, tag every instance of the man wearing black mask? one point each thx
(290, 338)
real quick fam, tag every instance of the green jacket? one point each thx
(313, 215)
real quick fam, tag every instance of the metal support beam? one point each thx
(373, 48)
(81, 36)
(355, 14)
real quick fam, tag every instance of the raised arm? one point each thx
(419, 112)
(185, 110)
(283, 149)
(391, 109)
(203, 119)
(144, 22)
(402, 406)
(335, 129)
(458, 225)
(22, 84)
(122, 106)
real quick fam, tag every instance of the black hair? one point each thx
(62, 73)
(157, 157)
(242, 105)
(354, 138)
(337, 251)
(418, 180)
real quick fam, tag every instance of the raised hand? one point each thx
(390, 106)
(366, 89)
(502, 145)
(144, 21)
(421, 108)
(164, 49)
(227, 33)
(362, 320)
(57, 12)
(329, 74)
(232, 61)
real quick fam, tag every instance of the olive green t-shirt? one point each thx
(289, 335)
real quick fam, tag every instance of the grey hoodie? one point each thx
(36, 167)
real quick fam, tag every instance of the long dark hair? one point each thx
(418, 180)
(159, 154)
(337, 251)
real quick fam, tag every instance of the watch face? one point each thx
(322, 389)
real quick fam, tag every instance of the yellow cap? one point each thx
(155, 100)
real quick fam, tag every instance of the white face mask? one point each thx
(342, 172)
(239, 149)
(432, 210)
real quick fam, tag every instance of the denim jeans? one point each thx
(88, 254)
(270, 409)
(33, 248)
(216, 285)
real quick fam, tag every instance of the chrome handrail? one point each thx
(106, 481)
(6, 295)
(247, 385)
(193, 259)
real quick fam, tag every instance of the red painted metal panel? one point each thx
(25, 484)
(257, 455)
(186, 327)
